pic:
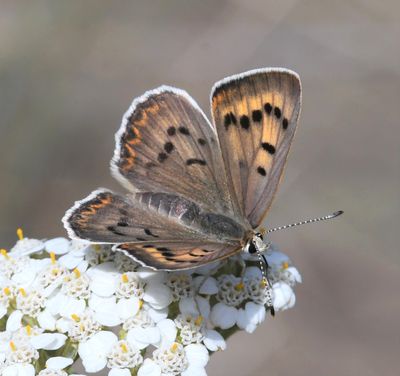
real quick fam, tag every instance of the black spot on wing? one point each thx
(201, 141)
(184, 131)
(122, 223)
(285, 123)
(114, 231)
(268, 147)
(256, 116)
(268, 108)
(162, 157)
(192, 161)
(148, 232)
(245, 122)
(261, 171)
(171, 131)
(168, 147)
(277, 112)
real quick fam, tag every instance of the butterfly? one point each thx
(198, 190)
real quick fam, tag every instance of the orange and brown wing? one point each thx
(256, 114)
(166, 144)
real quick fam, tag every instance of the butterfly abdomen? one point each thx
(215, 226)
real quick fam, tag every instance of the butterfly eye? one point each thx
(251, 248)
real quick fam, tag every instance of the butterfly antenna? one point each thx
(266, 282)
(326, 217)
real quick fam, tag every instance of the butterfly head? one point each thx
(256, 244)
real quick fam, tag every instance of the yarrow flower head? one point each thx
(63, 300)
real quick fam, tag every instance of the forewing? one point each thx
(256, 115)
(166, 144)
(177, 256)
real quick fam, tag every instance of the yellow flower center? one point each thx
(285, 265)
(4, 253)
(20, 233)
(75, 317)
(7, 291)
(28, 329)
(125, 278)
(140, 304)
(199, 320)
(124, 348)
(77, 273)
(53, 257)
(174, 347)
(22, 291)
(13, 347)
(239, 286)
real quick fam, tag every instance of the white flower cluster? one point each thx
(62, 300)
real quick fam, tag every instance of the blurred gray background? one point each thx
(69, 70)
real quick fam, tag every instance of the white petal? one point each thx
(168, 332)
(70, 306)
(187, 306)
(103, 268)
(223, 315)
(194, 371)
(244, 323)
(157, 295)
(197, 355)
(19, 369)
(209, 286)
(103, 284)
(149, 368)
(25, 278)
(213, 340)
(48, 341)
(128, 307)
(204, 306)
(46, 320)
(70, 261)
(276, 259)
(99, 344)
(57, 245)
(253, 272)
(63, 324)
(58, 362)
(157, 314)
(151, 276)
(255, 312)
(284, 297)
(295, 274)
(14, 321)
(119, 372)
(142, 337)
(94, 363)
(105, 310)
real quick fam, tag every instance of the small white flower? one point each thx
(124, 355)
(76, 285)
(30, 303)
(130, 285)
(141, 320)
(231, 290)
(48, 341)
(143, 337)
(83, 326)
(172, 360)
(181, 285)
(52, 372)
(190, 328)
(124, 263)
(104, 279)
